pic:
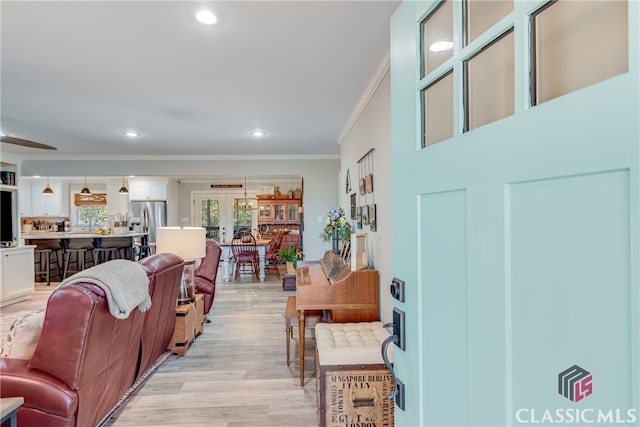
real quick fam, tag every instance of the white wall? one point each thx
(372, 130)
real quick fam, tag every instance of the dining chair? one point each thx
(245, 254)
(271, 256)
(206, 272)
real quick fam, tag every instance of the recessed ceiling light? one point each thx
(441, 46)
(258, 133)
(132, 133)
(206, 17)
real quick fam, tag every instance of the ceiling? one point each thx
(78, 74)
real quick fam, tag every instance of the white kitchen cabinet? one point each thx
(42, 205)
(147, 190)
(16, 274)
(24, 198)
(117, 203)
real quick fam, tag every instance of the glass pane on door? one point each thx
(481, 15)
(490, 83)
(437, 111)
(209, 212)
(242, 218)
(576, 44)
(437, 38)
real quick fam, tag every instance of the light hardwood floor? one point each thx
(234, 375)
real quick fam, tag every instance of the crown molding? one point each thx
(375, 81)
(239, 157)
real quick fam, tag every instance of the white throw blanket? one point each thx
(124, 282)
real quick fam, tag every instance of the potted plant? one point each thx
(290, 256)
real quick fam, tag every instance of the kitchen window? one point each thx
(90, 210)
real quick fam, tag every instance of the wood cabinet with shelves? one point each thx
(277, 214)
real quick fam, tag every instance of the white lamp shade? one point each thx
(187, 242)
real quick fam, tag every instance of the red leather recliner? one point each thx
(160, 319)
(206, 273)
(86, 359)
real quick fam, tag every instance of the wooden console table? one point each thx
(189, 323)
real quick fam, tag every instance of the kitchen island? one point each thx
(65, 237)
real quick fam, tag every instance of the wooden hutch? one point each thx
(277, 214)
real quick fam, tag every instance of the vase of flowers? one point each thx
(336, 228)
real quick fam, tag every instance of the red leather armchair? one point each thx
(206, 273)
(86, 359)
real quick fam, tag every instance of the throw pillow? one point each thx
(23, 335)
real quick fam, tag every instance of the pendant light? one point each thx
(123, 189)
(48, 191)
(246, 204)
(85, 189)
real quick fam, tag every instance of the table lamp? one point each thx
(189, 244)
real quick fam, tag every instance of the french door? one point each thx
(216, 213)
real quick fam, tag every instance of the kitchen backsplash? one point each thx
(44, 224)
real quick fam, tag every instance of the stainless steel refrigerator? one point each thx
(150, 216)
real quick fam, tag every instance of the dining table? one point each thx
(227, 257)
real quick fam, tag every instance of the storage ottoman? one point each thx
(352, 382)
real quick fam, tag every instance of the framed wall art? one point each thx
(368, 183)
(361, 186)
(365, 215)
(347, 188)
(359, 218)
(354, 212)
(359, 249)
(372, 217)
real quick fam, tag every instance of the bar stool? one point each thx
(116, 247)
(77, 253)
(41, 263)
(46, 260)
(79, 261)
(146, 250)
(101, 255)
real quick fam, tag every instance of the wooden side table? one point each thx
(189, 321)
(199, 313)
(9, 410)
